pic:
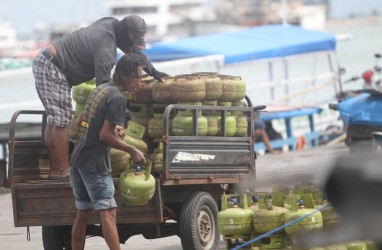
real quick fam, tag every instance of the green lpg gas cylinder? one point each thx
(212, 121)
(336, 247)
(81, 92)
(187, 88)
(212, 103)
(189, 112)
(253, 201)
(228, 89)
(371, 245)
(157, 158)
(120, 161)
(213, 85)
(274, 241)
(155, 127)
(279, 195)
(144, 93)
(235, 218)
(237, 104)
(140, 113)
(241, 126)
(330, 217)
(265, 220)
(230, 126)
(241, 120)
(182, 125)
(161, 90)
(128, 95)
(240, 88)
(134, 134)
(356, 245)
(309, 188)
(140, 109)
(156, 123)
(144, 121)
(78, 108)
(137, 185)
(230, 121)
(311, 223)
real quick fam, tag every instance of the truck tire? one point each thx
(198, 222)
(56, 237)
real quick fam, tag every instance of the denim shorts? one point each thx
(92, 190)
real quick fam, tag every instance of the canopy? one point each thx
(261, 42)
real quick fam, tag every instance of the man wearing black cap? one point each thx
(76, 58)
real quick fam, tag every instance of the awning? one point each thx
(262, 42)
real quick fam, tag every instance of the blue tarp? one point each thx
(362, 109)
(261, 42)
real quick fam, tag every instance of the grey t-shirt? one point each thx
(88, 52)
(91, 154)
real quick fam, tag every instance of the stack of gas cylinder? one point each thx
(148, 103)
(146, 110)
(276, 217)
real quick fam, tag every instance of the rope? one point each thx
(279, 228)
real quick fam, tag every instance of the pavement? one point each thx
(294, 167)
(284, 169)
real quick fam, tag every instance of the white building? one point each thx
(166, 17)
(8, 39)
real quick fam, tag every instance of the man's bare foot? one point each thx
(64, 173)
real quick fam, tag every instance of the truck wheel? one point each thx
(56, 237)
(197, 222)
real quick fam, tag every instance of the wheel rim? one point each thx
(205, 225)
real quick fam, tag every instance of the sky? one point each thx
(25, 14)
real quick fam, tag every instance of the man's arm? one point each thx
(104, 61)
(148, 67)
(109, 135)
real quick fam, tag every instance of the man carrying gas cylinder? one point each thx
(101, 127)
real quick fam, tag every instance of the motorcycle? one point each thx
(360, 110)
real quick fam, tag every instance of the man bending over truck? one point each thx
(76, 58)
(101, 127)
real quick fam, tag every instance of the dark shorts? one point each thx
(259, 124)
(92, 190)
(54, 91)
